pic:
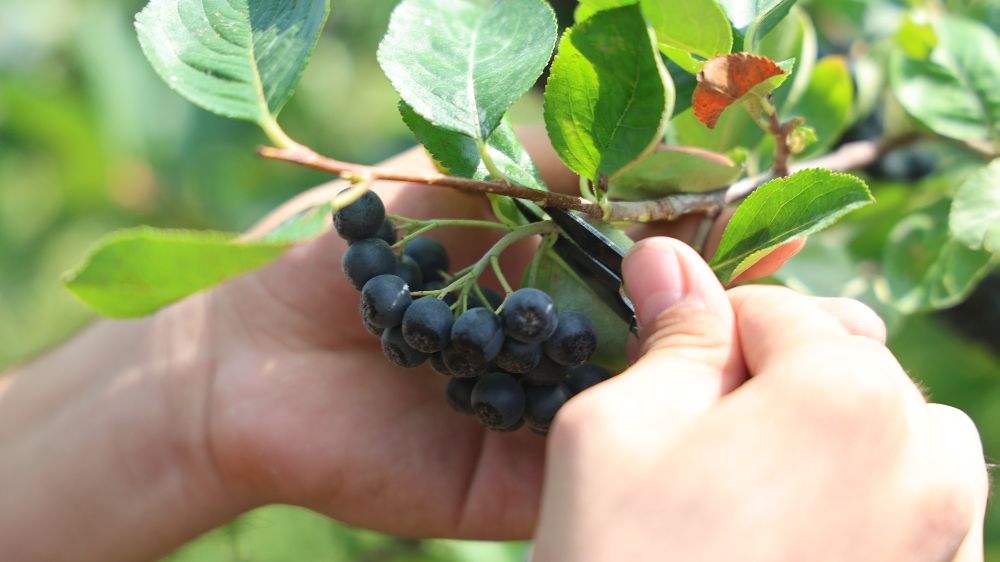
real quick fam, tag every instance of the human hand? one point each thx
(761, 425)
(306, 410)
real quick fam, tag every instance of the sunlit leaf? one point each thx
(783, 210)
(975, 212)
(136, 272)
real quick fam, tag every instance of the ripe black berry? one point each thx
(384, 301)
(372, 328)
(574, 340)
(461, 364)
(408, 269)
(478, 333)
(437, 362)
(459, 394)
(498, 401)
(542, 403)
(548, 372)
(427, 324)
(450, 298)
(530, 316)
(387, 232)
(492, 302)
(398, 351)
(582, 377)
(518, 357)
(361, 219)
(430, 255)
(368, 258)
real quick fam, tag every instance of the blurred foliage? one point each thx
(91, 141)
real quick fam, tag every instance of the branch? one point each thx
(309, 159)
(848, 157)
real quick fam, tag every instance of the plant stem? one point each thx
(848, 157)
(495, 262)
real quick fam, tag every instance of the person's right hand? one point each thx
(761, 425)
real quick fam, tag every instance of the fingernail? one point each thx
(654, 278)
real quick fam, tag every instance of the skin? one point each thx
(265, 389)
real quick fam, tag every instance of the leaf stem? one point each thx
(495, 262)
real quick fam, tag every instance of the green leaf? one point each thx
(303, 225)
(673, 170)
(570, 292)
(238, 58)
(783, 210)
(461, 64)
(827, 103)
(587, 8)
(135, 272)
(755, 18)
(927, 269)
(954, 92)
(975, 212)
(459, 155)
(916, 39)
(698, 27)
(609, 96)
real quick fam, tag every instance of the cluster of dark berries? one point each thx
(509, 369)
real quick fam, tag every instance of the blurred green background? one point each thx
(91, 141)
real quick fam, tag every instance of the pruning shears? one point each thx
(592, 255)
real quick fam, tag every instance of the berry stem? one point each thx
(467, 279)
(495, 262)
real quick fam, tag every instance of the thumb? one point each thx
(689, 349)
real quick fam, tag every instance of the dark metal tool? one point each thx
(591, 254)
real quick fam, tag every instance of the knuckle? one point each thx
(688, 328)
(854, 383)
(944, 514)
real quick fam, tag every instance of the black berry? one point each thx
(372, 328)
(530, 316)
(518, 357)
(437, 362)
(574, 340)
(492, 302)
(361, 219)
(498, 401)
(478, 333)
(461, 364)
(451, 298)
(398, 351)
(430, 255)
(427, 324)
(459, 394)
(384, 301)
(366, 259)
(548, 372)
(582, 377)
(541, 405)
(387, 232)
(408, 269)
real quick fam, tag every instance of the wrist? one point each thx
(106, 441)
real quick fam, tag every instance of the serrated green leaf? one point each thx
(136, 272)
(609, 96)
(697, 27)
(238, 58)
(459, 155)
(674, 170)
(783, 210)
(461, 64)
(570, 292)
(927, 269)
(303, 225)
(755, 18)
(975, 212)
(827, 103)
(587, 8)
(954, 92)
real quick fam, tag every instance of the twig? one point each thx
(310, 159)
(848, 157)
